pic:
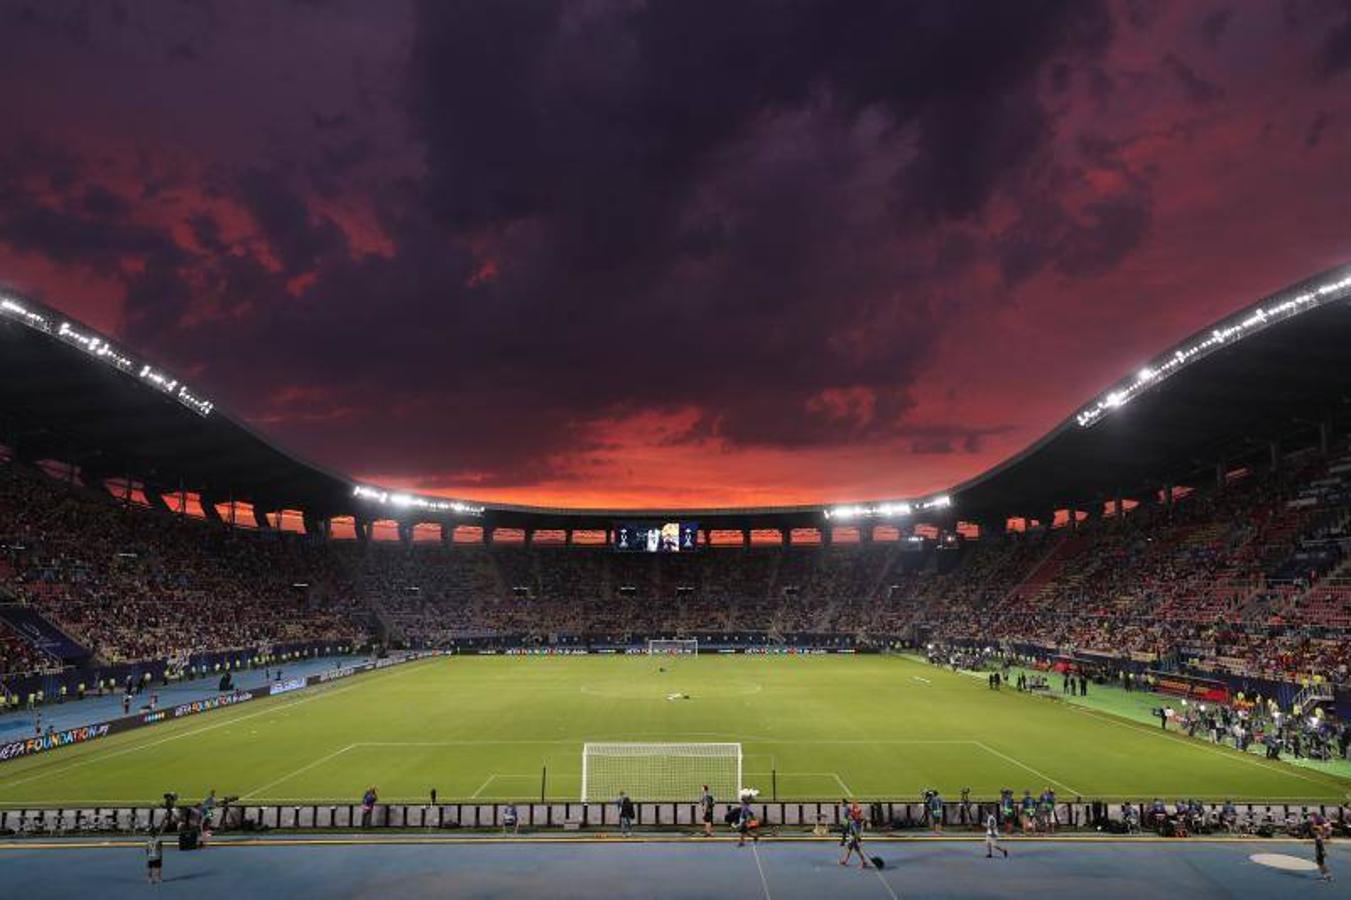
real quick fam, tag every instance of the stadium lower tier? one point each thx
(1251, 580)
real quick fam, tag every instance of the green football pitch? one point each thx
(487, 728)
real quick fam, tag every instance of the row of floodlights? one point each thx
(1254, 321)
(403, 500)
(414, 501)
(887, 510)
(106, 353)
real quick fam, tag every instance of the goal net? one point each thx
(682, 645)
(660, 772)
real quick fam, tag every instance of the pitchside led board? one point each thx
(656, 537)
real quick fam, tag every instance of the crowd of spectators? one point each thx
(130, 583)
(1250, 578)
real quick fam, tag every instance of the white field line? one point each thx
(770, 764)
(96, 757)
(1190, 742)
(483, 787)
(320, 761)
(476, 743)
(886, 884)
(422, 800)
(764, 883)
(488, 742)
(840, 781)
(1198, 745)
(1025, 766)
(917, 678)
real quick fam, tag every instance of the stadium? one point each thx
(473, 658)
(540, 448)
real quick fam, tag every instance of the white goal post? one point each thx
(660, 772)
(678, 645)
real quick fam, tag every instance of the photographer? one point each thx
(208, 811)
(933, 808)
(965, 813)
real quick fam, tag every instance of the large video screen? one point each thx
(656, 537)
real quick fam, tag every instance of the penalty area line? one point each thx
(483, 787)
(1025, 766)
(305, 768)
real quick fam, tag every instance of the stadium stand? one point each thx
(1247, 579)
(1236, 566)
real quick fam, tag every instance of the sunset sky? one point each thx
(666, 253)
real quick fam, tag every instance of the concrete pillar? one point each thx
(567, 537)
(745, 537)
(1324, 436)
(406, 533)
(209, 510)
(1118, 507)
(786, 534)
(827, 533)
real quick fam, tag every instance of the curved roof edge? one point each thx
(1326, 287)
(344, 495)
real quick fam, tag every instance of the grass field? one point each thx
(484, 727)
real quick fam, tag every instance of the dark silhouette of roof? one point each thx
(1274, 371)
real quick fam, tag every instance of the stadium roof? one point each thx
(1274, 371)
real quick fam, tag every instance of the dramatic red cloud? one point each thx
(650, 257)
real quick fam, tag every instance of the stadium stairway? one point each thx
(1040, 582)
(43, 634)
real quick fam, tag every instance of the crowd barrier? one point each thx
(24, 747)
(882, 815)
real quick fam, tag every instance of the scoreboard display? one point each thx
(656, 537)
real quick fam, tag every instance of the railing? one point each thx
(1318, 692)
(807, 816)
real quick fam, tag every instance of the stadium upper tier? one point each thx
(1272, 374)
